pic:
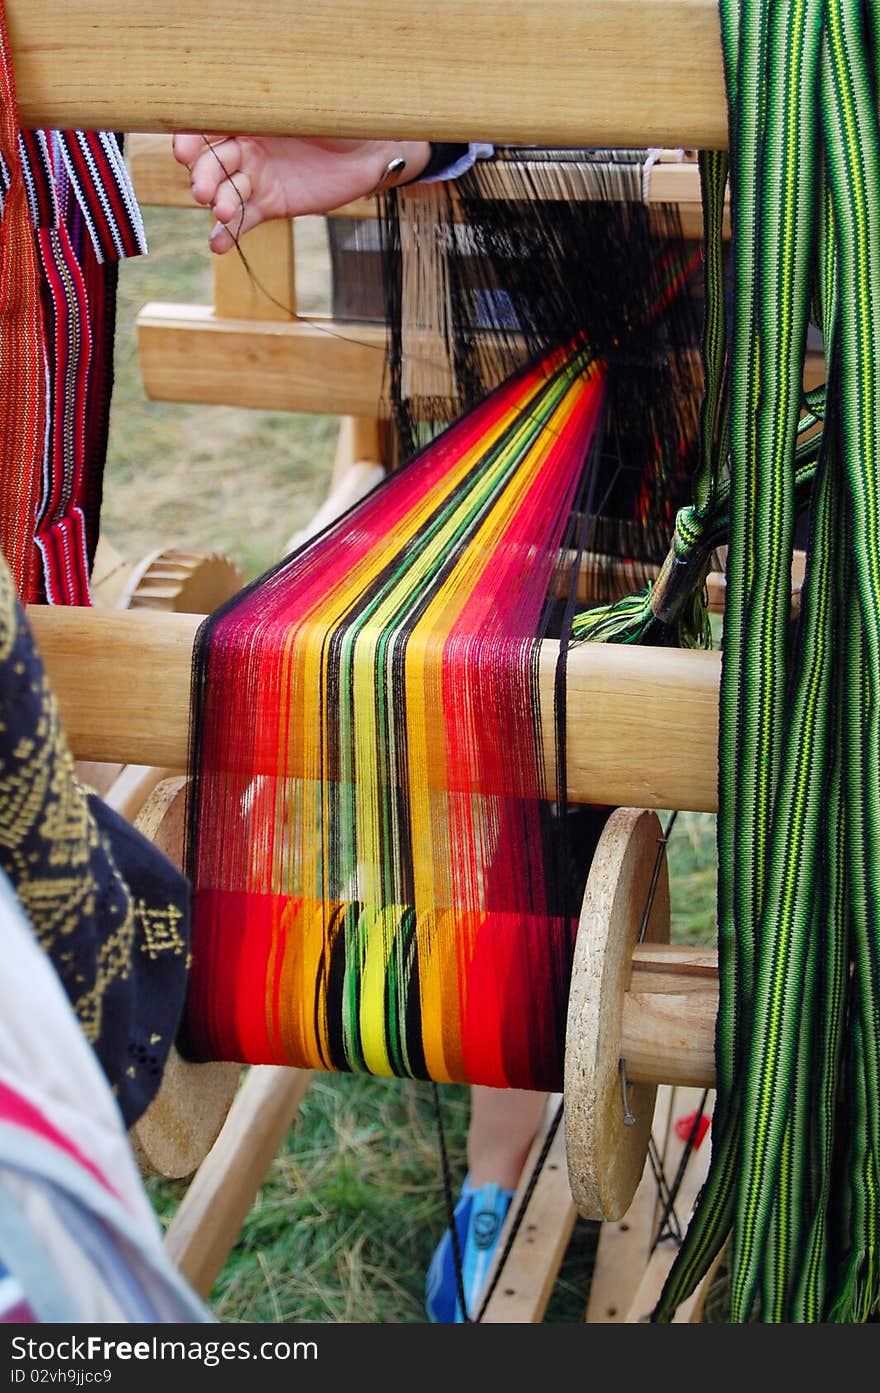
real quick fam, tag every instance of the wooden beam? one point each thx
(188, 354)
(263, 286)
(532, 1266)
(668, 1022)
(625, 73)
(642, 722)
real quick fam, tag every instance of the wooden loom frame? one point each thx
(151, 68)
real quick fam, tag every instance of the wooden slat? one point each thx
(159, 180)
(663, 1256)
(209, 1218)
(680, 183)
(359, 440)
(526, 1281)
(263, 286)
(625, 1244)
(187, 354)
(570, 72)
(642, 722)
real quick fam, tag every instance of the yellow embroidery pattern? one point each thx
(160, 930)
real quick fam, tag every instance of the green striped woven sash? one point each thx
(794, 1177)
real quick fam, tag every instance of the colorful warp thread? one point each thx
(370, 817)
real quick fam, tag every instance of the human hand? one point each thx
(246, 180)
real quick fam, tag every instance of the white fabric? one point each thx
(46, 1058)
(478, 150)
(102, 1247)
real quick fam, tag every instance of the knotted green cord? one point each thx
(672, 610)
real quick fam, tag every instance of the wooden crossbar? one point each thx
(624, 73)
(642, 722)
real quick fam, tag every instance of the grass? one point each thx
(205, 477)
(350, 1210)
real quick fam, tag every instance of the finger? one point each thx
(223, 237)
(230, 200)
(186, 146)
(214, 165)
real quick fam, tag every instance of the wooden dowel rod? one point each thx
(642, 722)
(626, 73)
(669, 1014)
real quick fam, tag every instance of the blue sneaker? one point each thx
(479, 1219)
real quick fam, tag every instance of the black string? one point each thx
(316, 322)
(450, 1203)
(668, 1210)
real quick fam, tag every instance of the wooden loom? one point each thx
(591, 73)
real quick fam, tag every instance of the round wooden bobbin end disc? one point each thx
(606, 1155)
(183, 1121)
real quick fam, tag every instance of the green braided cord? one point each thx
(828, 957)
(714, 165)
(744, 50)
(812, 1278)
(850, 127)
(650, 615)
(777, 803)
(795, 1174)
(854, 1293)
(770, 132)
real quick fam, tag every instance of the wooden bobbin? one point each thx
(605, 1150)
(182, 1123)
(187, 582)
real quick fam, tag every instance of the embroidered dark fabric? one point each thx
(111, 911)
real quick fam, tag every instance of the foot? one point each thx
(479, 1220)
